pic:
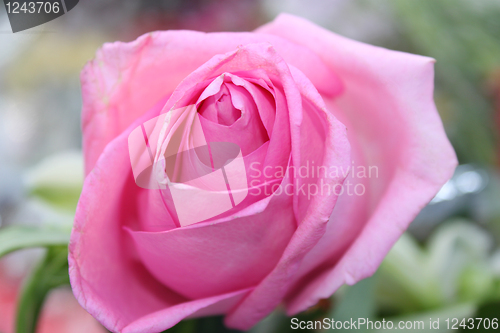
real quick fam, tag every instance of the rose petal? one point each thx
(247, 131)
(114, 92)
(208, 259)
(314, 126)
(245, 249)
(166, 318)
(388, 102)
(106, 278)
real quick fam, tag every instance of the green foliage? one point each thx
(51, 273)
(213, 324)
(19, 237)
(57, 180)
(454, 267)
(488, 310)
(65, 199)
(464, 38)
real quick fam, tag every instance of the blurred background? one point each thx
(446, 266)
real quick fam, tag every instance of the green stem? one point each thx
(51, 272)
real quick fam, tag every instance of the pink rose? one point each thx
(284, 95)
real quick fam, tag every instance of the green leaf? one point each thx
(406, 283)
(357, 302)
(19, 237)
(185, 326)
(488, 310)
(62, 198)
(57, 180)
(51, 272)
(201, 325)
(459, 311)
(277, 321)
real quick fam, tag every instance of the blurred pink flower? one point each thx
(61, 312)
(8, 294)
(215, 15)
(285, 95)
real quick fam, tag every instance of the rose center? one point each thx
(220, 109)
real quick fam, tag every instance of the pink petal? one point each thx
(213, 258)
(239, 252)
(314, 127)
(106, 279)
(166, 318)
(126, 79)
(247, 131)
(389, 109)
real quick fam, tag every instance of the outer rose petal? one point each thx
(107, 280)
(315, 121)
(168, 317)
(389, 109)
(126, 79)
